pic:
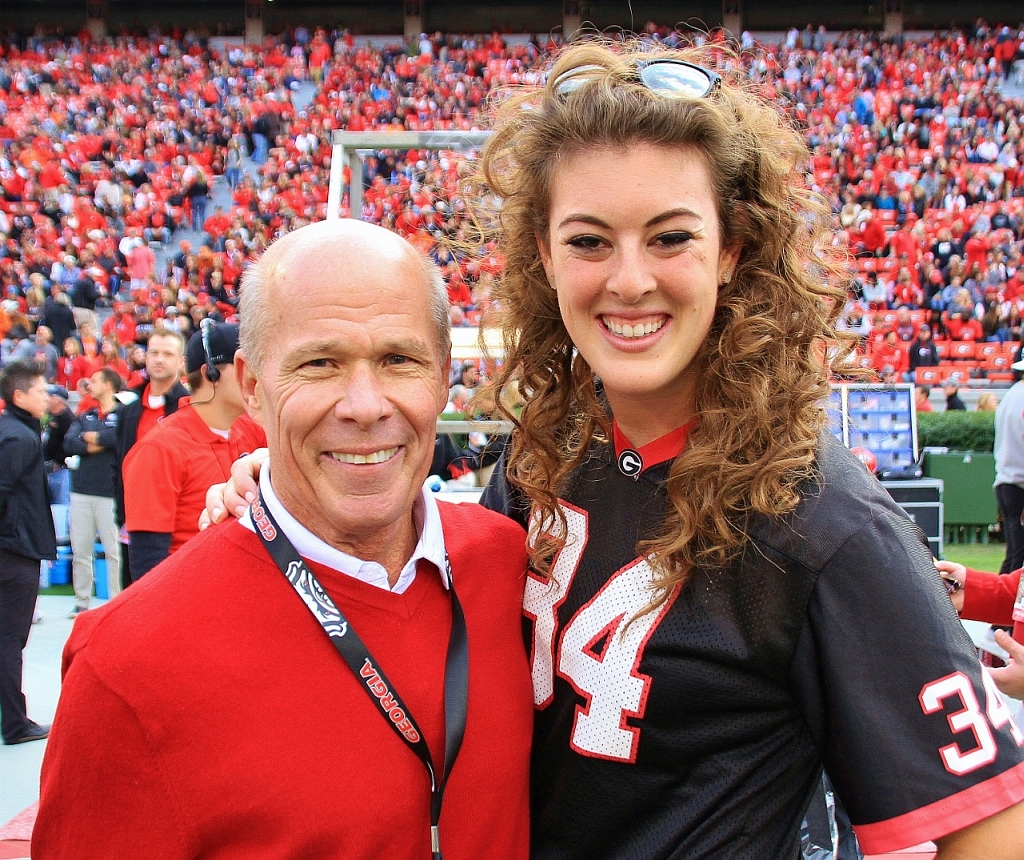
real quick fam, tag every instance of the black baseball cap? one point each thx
(223, 344)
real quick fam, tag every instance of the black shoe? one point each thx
(35, 733)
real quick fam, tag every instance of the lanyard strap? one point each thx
(367, 671)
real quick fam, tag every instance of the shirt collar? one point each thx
(429, 545)
(668, 447)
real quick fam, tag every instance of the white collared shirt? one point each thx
(429, 545)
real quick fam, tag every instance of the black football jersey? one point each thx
(698, 728)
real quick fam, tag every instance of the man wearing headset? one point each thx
(166, 474)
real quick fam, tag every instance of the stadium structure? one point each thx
(254, 18)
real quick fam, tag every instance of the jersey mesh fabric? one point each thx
(808, 648)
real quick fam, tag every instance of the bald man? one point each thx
(287, 685)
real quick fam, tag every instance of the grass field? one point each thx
(977, 555)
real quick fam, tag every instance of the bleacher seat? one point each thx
(928, 376)
(963, 350)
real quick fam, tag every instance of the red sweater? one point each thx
(204, 712)
(990, 597)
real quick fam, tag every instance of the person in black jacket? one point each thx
(58, 316)
(92, 438)
(26, 535)
(922, 351)
(59, 418)
(83, 297)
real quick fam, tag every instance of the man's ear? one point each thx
(446, 373)
(249, 385)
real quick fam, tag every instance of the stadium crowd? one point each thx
(111, 148)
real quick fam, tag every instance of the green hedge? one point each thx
(958, 431)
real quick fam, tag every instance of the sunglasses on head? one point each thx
(668, 78)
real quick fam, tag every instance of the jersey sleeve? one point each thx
(152, 485)
(912, 732)
(499, 495)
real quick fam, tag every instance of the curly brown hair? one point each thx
(764, 365)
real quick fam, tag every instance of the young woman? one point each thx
(72, 365)
(722, 599)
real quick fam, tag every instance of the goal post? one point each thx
(351, 145)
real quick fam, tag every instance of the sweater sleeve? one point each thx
(93, 752)
(989, 596)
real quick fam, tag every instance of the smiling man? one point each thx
(294, 679)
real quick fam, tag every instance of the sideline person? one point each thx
(723, 599)
(157, 398)
(996, 599)
(225, 705)
(26, 535)
(91, 439)
(1009, 484)
(166, 474)
(706, 557)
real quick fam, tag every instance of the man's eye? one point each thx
(398, 359)
(317, 363)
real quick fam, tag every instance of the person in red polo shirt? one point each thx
(167, 473)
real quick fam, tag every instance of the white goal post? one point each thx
(352, 144)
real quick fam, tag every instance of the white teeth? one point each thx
(361, 459)
(629, 331)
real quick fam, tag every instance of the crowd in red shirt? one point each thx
(110, 146)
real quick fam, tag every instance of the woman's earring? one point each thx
(727, 277)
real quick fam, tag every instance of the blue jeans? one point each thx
(199, 212)
(262, 147)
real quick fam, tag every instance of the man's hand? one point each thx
(238, 493)
(1010, 679)
(950, 571)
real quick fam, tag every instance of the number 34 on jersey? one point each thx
(599, 650)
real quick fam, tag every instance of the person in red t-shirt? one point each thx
(890, 358)
(120, 324)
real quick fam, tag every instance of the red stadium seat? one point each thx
(997, 362)
(963, 350)
(928, 376)
(984, 350)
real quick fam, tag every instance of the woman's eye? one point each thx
(678, 237)
(585, 243)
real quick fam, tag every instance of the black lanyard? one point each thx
(371, 677)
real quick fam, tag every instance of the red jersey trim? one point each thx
(668, 447)
(945, 816)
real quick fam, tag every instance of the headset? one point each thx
(212, 371)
